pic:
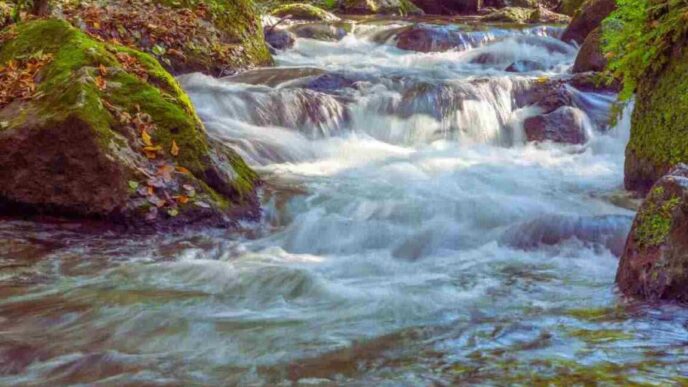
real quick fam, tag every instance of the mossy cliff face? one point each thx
(655, 260)
(108, 133)
(659, 129)
(211, 36)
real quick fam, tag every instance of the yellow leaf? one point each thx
(152, 148)
(175, 149)
(146, 138)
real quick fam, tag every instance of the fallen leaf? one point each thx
(181, 199)
(102, 69)
(202, 204)
(183, 171)
(165, 172)
(173, 212)
(134, 185)
(175, 149)
(147, 140)
(101, 83)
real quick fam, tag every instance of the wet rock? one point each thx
(382, 7)
(330, 82)
(590, 17)
(434, 38)
(274, 76)
(279, 39)
(324, 32)
(301, 11)
(522, 15)
(449, 7)
(548, 95)
(524, 66)
(590, 57)
(564, 125)
(654, 265)
(107, 139)
(609, 231)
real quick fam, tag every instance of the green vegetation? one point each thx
(638, 38)
(655, 218)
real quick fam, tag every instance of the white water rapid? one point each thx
(411, 236)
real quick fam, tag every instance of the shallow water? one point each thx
(410, 237)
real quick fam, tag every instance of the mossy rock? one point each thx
(301, 11)
(659, 125)
(590, 56)
(655, 260)
(216, 37)
(382, 7)
(77, 147)
(589, 17)
(521, 15)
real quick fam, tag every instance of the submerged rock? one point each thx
(609, 231)
(108, 133)
(383, 7)
(524, 66)
(320, 31)
(590, 57)
(564, 125)
(279, 38)
(428, 38)
(590, 17)
(301, 11)
(655, 260)
(216, 38)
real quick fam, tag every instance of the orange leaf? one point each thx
(101, 83)
(146, 138)
(156, 148)
(183, 171)
(102, 69)
(175, 149)
(181, 199)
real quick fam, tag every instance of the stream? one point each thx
(410, 236)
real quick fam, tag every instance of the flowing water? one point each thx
(411, 236)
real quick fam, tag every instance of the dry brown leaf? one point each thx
(174, 150)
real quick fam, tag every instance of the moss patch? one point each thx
(654, 219)
(304, 12)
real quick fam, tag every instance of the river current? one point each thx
(410, 236)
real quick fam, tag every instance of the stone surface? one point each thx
(589, 17)
(564, 125)
(590, 57)
(654, 265)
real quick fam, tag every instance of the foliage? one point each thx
(638, 38)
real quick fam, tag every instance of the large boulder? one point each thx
(321, 31)
(590, 57)
(93, 129)
(587, 19)
(383, 7)
(659, 124)
(279, 38)
(449, 7)
(301, 11)
(565, 125)
(655, 261)
(213, 37)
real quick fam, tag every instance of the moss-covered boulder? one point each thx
(590, 56)
(91, 129)
(654, 264)
(382, 7)
(659, 125)
(587, 19)
(217, 37)
(301, 11)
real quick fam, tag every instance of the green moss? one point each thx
(400, 7)
(655, 218)
(68, 89)
(303, 11)
(570, 7)
(597, 314)
(511, 15)
(596, 336)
